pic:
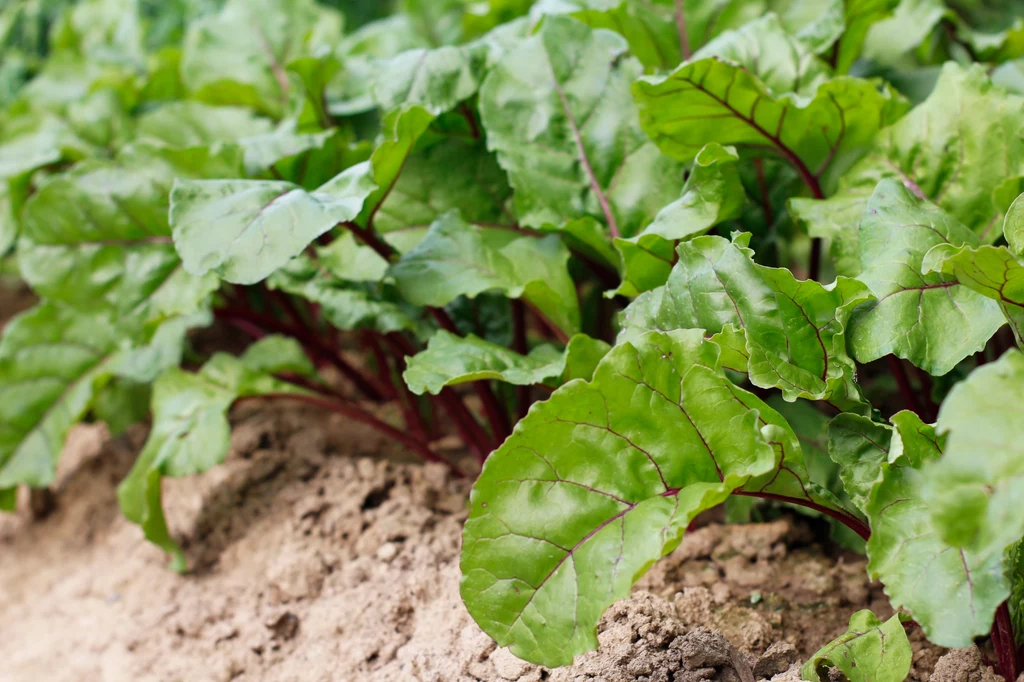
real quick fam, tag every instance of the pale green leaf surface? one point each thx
(712, 194)
(245, 229)
(859, 446)
(992, 271)
(975, 490)
(929, 319)
(951, 593)
(458, 259)
(1013, 226)
(195, 124)
(870, 651)
(559, 114)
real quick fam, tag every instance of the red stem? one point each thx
(467, 113)
(684, 39)
(931, 409)
(852, 522)
(899, 372)
(360, 415)
(1005, 644)
(519, 345)
(472, 434)
(555, 330)
(258, 322)
(814, 268)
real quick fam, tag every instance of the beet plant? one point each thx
(641, 258)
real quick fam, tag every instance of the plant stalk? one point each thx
(1005, 644)
(899, 372)
(519, 345)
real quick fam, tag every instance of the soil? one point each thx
(320, 551)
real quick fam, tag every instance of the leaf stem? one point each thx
(546, 321)
(253, 321)
(684, 38)
(467, 113)
(519, 345)
(899, 372)
(814, 268)
(1005, 643)
(852, 522)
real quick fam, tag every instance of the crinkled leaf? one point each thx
(399, 132)
(712, 194)
(860, 447)
(548, 109)
(910, 24)
(458, 259)
(450, 360)
(709, 100)
(929, 319)
(598, 483)
(191, 433)
(952, 593)
(870, 651)
(992, 271)
(975, 489)
(245, 229)
(795, 330)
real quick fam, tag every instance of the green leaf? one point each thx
(955, 156)
(598, 483)
(860, 447)
(870, 651)
(399, 132)
(951, 593)
(191, 433)
(1013, 226)
(928, 319)
(245, 229)
(795, 330)
(908, 27)
(709, 100)
(98, 235)
(472, 182)
(458, 259)
(974, 490)
(1016, 600)
(347, 306)
(194, 124)
(52, 361)
(239, 55)
(780, 61)
(712, 194)
(992, 271)
(548, 108)
(450, 360)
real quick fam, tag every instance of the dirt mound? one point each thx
(317, 555)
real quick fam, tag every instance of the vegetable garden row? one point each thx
(632, 253)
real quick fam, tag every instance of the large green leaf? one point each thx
(400, 131)
(795, 330)
(558, 112)
(54, 359)
(450, 360)
(99, 236)
(458, 259)
(992, 271)
(472, 182)
(870, 651)
(1013, 226)
(191, 433)
(957, 156)
(195, 124)
(709, 100)
(975, 489)
(712, 194)
(245, 229)
(889, 40)
(931, 320)
(239, 55)
(598, 483)
(952, 593)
